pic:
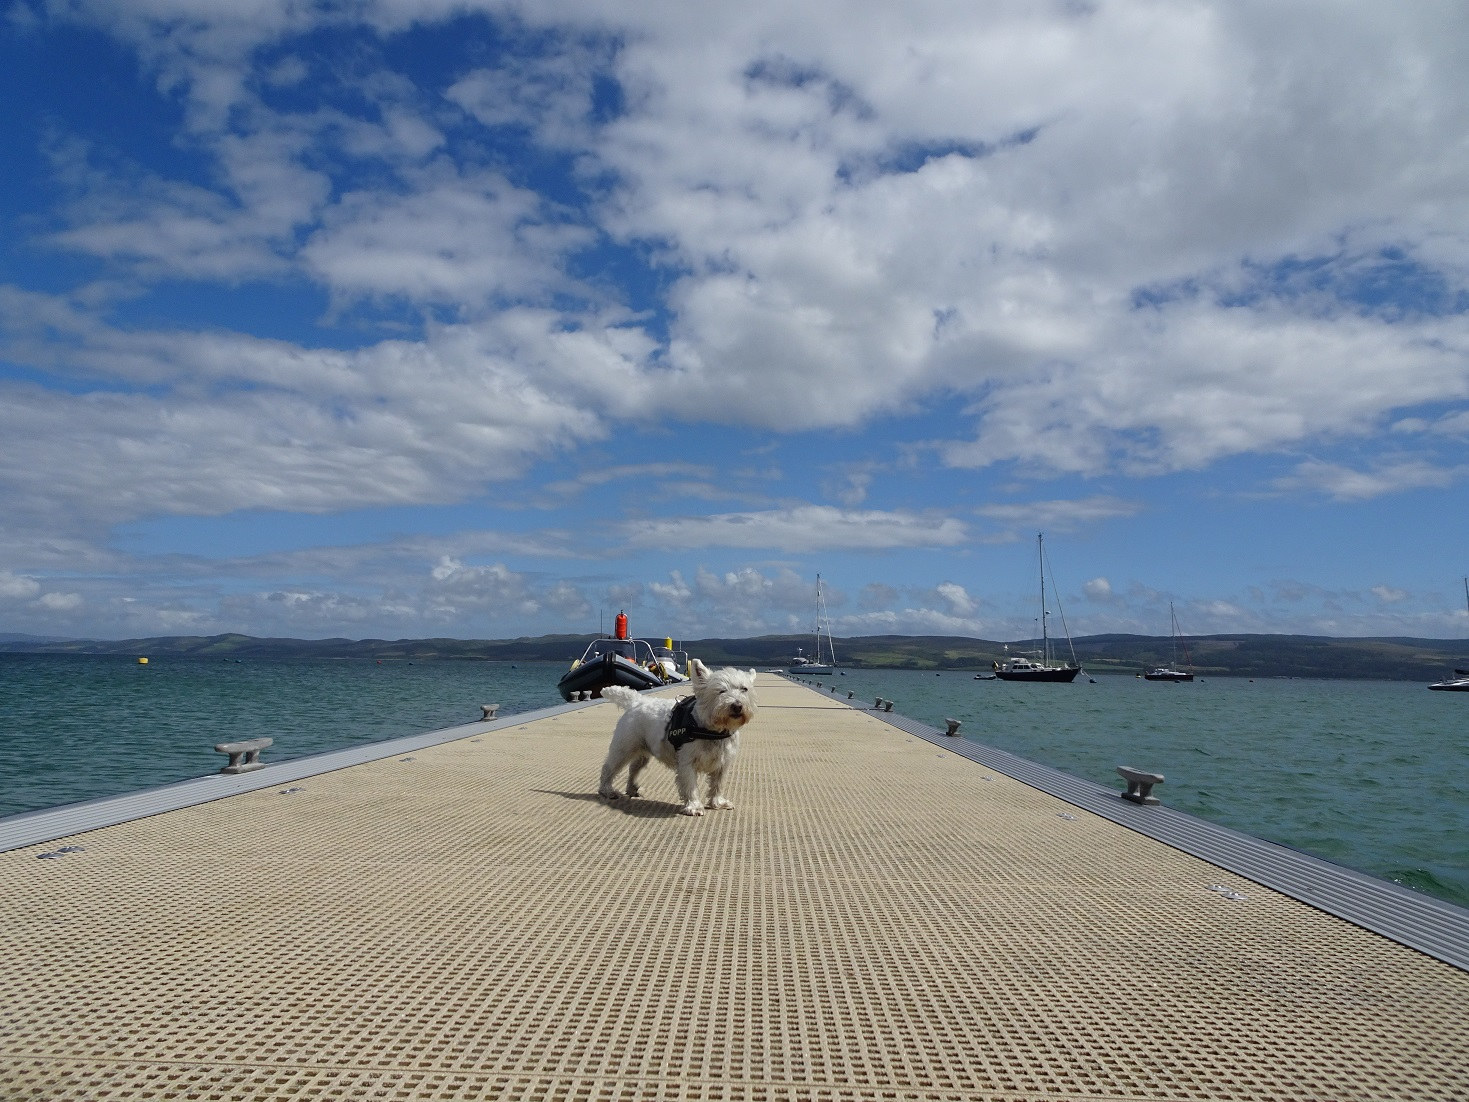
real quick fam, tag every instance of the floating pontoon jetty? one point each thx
(887, 915)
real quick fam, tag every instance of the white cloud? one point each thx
(1189, 384)
(309, 612)
(566, 602)
(457, 590)
(1451, 424)
(804, 529)
(911, 621)
(59, 602)
(675, 591)
(162, 227)
(730, 603)
(1343, 483)
(601, 476)
(237, 423)
(957, 597)
(1063, 515)
(460, 241)
(850, 487)
(551, 96)
(17, 587)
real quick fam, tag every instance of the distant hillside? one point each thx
(1286, 655)
(552, 647)
(1212, 655)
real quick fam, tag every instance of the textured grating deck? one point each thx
(879, 919)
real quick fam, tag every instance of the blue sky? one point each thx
(402, 318)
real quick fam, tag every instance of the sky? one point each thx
(474, 319)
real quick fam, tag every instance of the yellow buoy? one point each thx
(142, 661)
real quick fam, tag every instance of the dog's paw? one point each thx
(691, 809)
(609, 793)
(633, 792)
(719, 803)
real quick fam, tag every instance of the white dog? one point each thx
(693, 735)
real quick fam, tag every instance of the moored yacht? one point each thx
(1042, 667)
(820, 664)
(1171, 672)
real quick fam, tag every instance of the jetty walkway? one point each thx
(879, 919)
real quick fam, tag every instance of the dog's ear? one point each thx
(698, 671)
(754, 674)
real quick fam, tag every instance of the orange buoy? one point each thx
(620, 625)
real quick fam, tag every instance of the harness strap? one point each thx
(682, 729)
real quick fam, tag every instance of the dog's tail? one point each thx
(621, 695)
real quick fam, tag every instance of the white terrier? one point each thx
(693, 735)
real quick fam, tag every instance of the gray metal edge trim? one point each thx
(31, 828)
(1432, 926)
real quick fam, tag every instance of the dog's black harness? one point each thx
(682, 729)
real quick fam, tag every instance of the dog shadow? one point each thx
(639, 808)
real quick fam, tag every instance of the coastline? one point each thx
(1316, 657)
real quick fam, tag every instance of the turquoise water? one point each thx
(1367, 774)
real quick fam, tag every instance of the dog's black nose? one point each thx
(737, 709)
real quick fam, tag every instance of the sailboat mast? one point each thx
(1179, 640)
(820, 616)
(823, 626)
(816, 629)
(831, 650)
(1045, 633)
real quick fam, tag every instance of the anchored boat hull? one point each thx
(1051, 674)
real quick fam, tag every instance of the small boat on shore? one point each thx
(619, 659)
(1042, 668)
(1171, 672)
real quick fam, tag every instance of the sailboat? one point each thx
(1171, 672)
(1459, 683)
(816, 665)
(1044, 669)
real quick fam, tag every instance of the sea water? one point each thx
(1367, 774)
